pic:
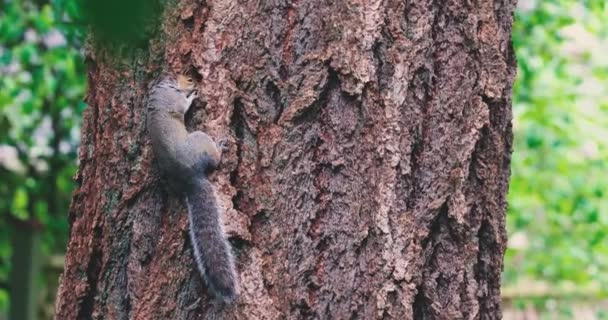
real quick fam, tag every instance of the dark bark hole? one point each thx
(480, 145)
(261, 218)
(435, 227)
(363, 244)
(189, 23)
(392, 297)
(304, 310)
(497, 115)
(195, 75)
(238, 122)
(310, 114)
(239, 244)
(93, 270)
(283, 72)
(420, 305)
(274, 93)
(424, 78)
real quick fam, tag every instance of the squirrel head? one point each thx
(172, 94)
(185, 84)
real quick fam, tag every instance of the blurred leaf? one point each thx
(42, 75)
(20, 201)
(558, 188)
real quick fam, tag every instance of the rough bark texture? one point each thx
(367, 174)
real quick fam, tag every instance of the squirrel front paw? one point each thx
(222, 144)
(190, 98)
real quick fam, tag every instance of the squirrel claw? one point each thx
(223, 144)
(193, 95)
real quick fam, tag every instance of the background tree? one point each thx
(557, 200)
(42, 81)
(367, 175)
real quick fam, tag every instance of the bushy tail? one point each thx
(211, 249)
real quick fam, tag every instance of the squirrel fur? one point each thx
(186, 159)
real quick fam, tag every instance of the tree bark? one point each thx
(367, 173)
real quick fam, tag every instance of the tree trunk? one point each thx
(366, 177)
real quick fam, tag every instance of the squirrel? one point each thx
(187, 159)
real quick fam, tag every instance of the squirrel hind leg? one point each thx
(205, 150)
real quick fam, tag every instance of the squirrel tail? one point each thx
(211, 249)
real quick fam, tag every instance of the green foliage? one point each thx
(125, 23)
(42, 82)
(558, 198)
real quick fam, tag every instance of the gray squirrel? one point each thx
(186, 159)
